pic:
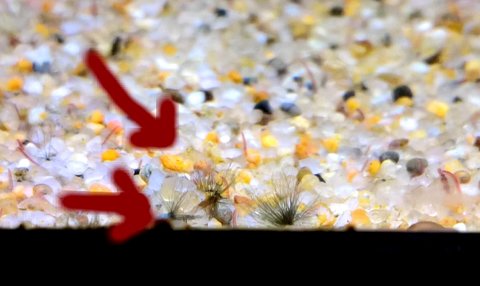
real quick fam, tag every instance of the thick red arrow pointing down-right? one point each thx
(154, 132)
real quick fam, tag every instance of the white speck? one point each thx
(292, 10)
(163, 64)
(231, 153)
(77, 164)
(40, 55)
(343, 220)
(419, 67)
(408, 123)
(195, 99)
(61, 92)
(72, 48)
(71, 28)
(208, 83)
(333, 158)
(156, 180)
(35, 115)
(231, 97)
(424, 26)
(225, 138)
(377, 24)
(470, 190)
(23, 163)
(33, 86)
(338, 209)
(460, 227)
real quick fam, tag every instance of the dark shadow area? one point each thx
(162, 241)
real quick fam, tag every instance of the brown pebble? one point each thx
(175, 95)
(416, 166)
(477, 142)
(266, 118)
(398, 143)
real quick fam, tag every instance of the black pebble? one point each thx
(264, 106)
(457, 99)
(248, 81)
(59, 38)
(253, 18)
(390, 155)
(220, 12)
(208, 95)
(271, 40)
(348, 94)
(333, 46)
(336, 11)
(279, 65)
(433, 59)
(136, 172)
(25, 142)
(402, 91)
(415, 15)
(309, 85)
(116, 46)
(387, 40)
(320, 178)
(363, 87)
(290, 108)
(79, 176)
(297, 79)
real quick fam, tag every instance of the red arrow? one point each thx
(130, 203)
(155, 132)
